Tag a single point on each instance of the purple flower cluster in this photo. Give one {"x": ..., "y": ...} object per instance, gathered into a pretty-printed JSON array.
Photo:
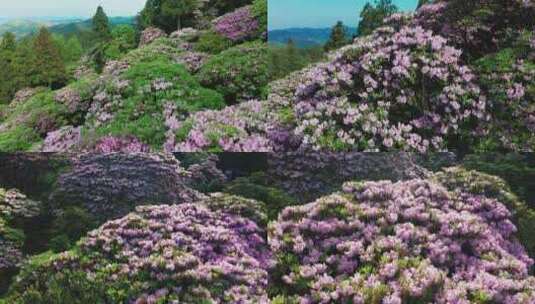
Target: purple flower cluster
[
  {"x": 175, "y": 254},
  {"x": 514, "y": 104},
  {"x": 411, "y": 241},
  {"x": 238, "y": 128},
  {"x": 126, "y": 144},
  {"x": 404, "y": 90},
  {"x": 111, "y": 185},
  {"x": 67, "y": 138},
  {"x": 478, "y": 28},
  {"x": 193, "y": 61},
  {"x": 238, "y": 25}
]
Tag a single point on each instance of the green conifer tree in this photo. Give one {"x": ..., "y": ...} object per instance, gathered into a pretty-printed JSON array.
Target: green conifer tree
[
  {"x": 338, "y": 37},
  {"x": 101, "y": 25},
  {"x": 48, "y": 64}
]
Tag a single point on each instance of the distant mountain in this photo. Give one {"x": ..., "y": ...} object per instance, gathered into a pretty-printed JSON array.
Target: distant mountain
[
  {"x": 76, "y": 27},
  {"x": 304, "y": 37},
  {"x": 64, "y": 26}
]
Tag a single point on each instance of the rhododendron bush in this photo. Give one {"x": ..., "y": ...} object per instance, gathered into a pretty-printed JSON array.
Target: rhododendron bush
[
  {"x": 111, "y": 185},
  {"x": 159, "y": 254},
  {"x": 411, "y": 241},
  {"x": 478, "y": 27}
]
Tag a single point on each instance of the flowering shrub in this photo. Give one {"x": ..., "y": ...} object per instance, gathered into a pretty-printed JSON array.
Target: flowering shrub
[
  {"x": 508, "y": 77},
  {"x": 111, "y": 185},
  {"x": 11, "y": 241},
  {"x": 158, "y": 254},
  {"x": 243, "y": 207},
  {"x": 127, "y": 144},
  {"x": 411, "y": 241},
  {"x": 239, "y": 73},
  {"x": 66, "y": 138},
  {"x": 238, "y": 25},
  {"x": 27, "y": 123},
  {"x": 478, "y": 27},
  {"x": 461, "y": 180},
  {"x": 404, "y": 90},
  {"x": 138, "y": 109},
  {"x": 234, "y": 129},
  {"x": 15, "y": 205}
]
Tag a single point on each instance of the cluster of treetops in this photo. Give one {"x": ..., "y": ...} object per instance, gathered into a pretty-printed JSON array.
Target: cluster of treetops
[{"x": 44, "y": 59}]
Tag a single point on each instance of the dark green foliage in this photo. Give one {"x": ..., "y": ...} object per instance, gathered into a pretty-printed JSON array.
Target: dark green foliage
[
  {"x": 213, "y": 43},
  {"x": 286, "y": 59},
  {"x": 518, "y": 170},
  {"x": 372, "y": 16},
  {"x": 260, "y": 11},
  {"x": 69, "y": 227},
  {"x": 337, "y": 38},
  {"x": 168, "y": 15},
  {"x": 123, "y": 40},
  {"x": 257, "y": 187},
  {"x": 239, "y": 73},
  {"x": 141, "y": 112},
  {"x": 101, "y": 24},
  {"x": 48, "y": 66}
]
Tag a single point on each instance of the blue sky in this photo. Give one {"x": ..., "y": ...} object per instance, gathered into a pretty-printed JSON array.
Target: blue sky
[
  {"x": 67, "y": 8},
  {"x": 320, "y": 13}
]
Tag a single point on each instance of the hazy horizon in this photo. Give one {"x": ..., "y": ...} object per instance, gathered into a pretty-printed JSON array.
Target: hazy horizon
[{"x": 66, "y": 9}]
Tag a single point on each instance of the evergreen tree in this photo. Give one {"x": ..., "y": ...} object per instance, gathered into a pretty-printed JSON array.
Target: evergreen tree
[
  {"x": 101, "y": 25},
  {"x": 338, "y": 37},
  {"x": 372, "y": 17},
  {"x": 73, "y": 50},
  {"x": 23, "y": 63},
  {"x": 48, "y": 64},
  {"x": 7, "y": 72},
  {"x": 169, "y": 15}
]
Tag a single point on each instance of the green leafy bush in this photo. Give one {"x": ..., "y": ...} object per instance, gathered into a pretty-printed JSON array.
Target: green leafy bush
[
  {"x": 239, "y": 73},
  {"x": 26, "y": 124},
  {"x": 260, "y": 11},
  {"x": 257, "y": 187},
  {"x": 152, "y": 84},
  {"x": 212, "y": 43}
]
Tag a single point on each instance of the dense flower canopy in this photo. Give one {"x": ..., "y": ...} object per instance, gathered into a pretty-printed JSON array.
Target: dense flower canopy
[
  {"x": 384, "y": 242},
  {"x": 238, "y": 25},
  {"x": 167, "y": 254},
  {"x": 111, "y": 185}
]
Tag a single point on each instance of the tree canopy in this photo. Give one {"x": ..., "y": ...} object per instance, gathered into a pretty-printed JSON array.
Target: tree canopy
[{"x": 372, "y": 16}]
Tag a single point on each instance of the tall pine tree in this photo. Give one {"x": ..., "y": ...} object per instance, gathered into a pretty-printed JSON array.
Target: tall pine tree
[
  {"x": 372, "y": 17},
  {"x": 101, "y": 25},
  {"x": 49, "y": 69},
  {"x": 338, "y": 37},
  {"x": 181, "y": 11},
  {"x": 7, "y": 72}
]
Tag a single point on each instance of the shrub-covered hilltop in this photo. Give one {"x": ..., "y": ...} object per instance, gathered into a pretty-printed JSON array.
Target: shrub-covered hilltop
[
  {"x": 453, "y": 75},
  {"x": 134, "y": 91},
  {"x": 149, "y": 228}
]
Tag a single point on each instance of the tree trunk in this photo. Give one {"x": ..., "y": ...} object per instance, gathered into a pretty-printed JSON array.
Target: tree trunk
[{"x": 179, "y": 23}]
